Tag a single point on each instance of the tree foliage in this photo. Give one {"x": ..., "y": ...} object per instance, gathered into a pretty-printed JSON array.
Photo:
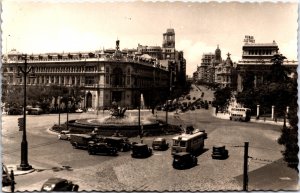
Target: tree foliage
[{"x": 222, "y": 97}]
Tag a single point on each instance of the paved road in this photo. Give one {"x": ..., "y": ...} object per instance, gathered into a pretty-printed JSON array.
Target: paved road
[{"x": 122, "y": 172}]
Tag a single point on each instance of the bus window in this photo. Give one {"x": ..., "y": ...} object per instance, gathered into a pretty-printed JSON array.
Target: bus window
[
  {"x": 175, "y": 142},
  {"x": 182, "y": 143}
]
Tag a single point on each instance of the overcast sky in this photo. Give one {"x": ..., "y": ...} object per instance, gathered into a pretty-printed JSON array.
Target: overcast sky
[{"x": 32, "y": 27}]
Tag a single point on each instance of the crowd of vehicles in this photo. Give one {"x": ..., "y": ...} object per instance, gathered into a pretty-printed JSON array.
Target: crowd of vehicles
[{"x": 185, "y": 146}]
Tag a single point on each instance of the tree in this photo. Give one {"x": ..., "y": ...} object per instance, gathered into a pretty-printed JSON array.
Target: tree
[
  {"x": 222, "y": 97},
  {"x": 279, "y": 73}
]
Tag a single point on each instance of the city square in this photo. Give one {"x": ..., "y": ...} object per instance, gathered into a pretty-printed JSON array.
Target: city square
[
  {"x": 122, "y": 172},
  {"x": 114, "y": 104}
]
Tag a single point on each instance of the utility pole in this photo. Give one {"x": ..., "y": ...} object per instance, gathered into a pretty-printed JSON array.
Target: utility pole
[{"x": 245, "y": 176}]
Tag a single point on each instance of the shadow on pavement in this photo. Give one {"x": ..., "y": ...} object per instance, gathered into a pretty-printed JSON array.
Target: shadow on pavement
[{"x": 272, "y": 177}]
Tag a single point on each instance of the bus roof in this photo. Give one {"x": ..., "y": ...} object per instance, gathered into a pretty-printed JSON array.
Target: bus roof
[
  {"x": 234, "y": 109},
  {"x": 186, "y": 137}
]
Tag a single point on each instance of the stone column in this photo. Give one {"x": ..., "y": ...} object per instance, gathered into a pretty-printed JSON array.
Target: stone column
[
  {"x": 272, "y": 116},
  {"x": 257, "y": 112}
]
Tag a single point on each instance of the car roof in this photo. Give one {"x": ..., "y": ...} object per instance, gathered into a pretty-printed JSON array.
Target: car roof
[
  {"x": 54, "y": 180},
  {"x": 114, "y": 138},
  {"x": 219, "y": 146},
  {"x": 140, "y": 144},
  {"x": 159, "y": 139},
  {"x": 181, "y": 153}
]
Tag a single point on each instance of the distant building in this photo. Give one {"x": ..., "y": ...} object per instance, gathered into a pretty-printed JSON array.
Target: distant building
[
  {"x": 206, "y": 70},
  {"x": 256, "y": 58},
  {"x": 225, "y": 74}
]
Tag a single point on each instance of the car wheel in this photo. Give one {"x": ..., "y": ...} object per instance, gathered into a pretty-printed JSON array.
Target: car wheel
[
  {"x": 91, "y": 152},
  {"x": 75, "y": 146},
  {"x": 75, "y": 188}
]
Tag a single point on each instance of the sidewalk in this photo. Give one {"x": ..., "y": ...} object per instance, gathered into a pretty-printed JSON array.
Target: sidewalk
[{"x": 261, "y": 120}]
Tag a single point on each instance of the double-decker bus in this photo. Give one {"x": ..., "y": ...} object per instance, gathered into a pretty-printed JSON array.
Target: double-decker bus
[
  {"x": 240, "y": 114},
  {"x": 191, "y": 141}
]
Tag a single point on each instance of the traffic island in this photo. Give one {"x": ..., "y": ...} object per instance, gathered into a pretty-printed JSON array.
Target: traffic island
[{"x": 18, "y": 172}]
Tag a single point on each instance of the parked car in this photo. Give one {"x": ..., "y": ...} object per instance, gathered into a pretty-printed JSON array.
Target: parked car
[
  {"x": 78, "y": 111},
  {"x": 34, "y": 111},
  {"x": 184, "y": 160},
  {"x": 219, "y": 152},
  {"x": 121, "y": 143},
  {"x": 101, "y": 148},
  {"x": 160, "y": 144},
  {"x": 80, "y": 140},
  {"x": 59, "y": 185},
  {"x": 64, "y": 135},
  {"x": 141, "y": 150},
  {"x": 15, "y": 111}
]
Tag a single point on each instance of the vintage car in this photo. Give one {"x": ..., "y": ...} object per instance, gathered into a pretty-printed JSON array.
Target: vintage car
[
  {"x": 184, "y": 160},
  {"x": 80, "y": 140},
  {"x": 64, "y": 135},
  {"x": 101, "y": 148},
  {"x": 219, "y": 152},
  {"x": 121, "y": 143},
  {"x": 140, "y": 150},
  {"x": 160, "y": 143},
  {"x": 59, "y": 185}
]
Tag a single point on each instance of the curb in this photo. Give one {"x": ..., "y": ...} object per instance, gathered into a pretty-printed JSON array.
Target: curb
[{"x": 18, "y": 172}]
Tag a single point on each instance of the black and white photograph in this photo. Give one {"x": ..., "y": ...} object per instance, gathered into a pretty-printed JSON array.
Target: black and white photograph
[{"x": 132, "y": 96}]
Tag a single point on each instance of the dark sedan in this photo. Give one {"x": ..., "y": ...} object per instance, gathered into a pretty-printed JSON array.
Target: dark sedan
[{"x": 59, "y": 185}]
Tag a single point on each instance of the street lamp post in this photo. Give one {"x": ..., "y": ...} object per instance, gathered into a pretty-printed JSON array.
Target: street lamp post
[
  {"x": 59, "y": 106},
  {"x": 24, "y": 145},
  {"x": 68, "y": 114}
]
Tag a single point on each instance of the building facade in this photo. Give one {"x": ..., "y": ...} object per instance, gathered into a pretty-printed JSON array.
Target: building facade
[
  {"x": 206, "y": 71},
  {"x": 108, "y": 75},
  {"x": 104, "y": 76},
  {"x": 256, "y": 58},
  {"x": 225, "y": 74}
]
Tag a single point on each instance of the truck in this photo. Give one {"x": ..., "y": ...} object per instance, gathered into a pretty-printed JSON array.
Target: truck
[{"x": 80, "y": 140}]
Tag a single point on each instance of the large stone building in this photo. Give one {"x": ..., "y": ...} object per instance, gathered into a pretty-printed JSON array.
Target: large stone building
[
  {"x": 107, "y": 75},
  {"x": 256, "y": 58}
]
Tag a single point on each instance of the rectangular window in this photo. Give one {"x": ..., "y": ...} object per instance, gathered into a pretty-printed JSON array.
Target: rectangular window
[{"x": 90, "y": 80}]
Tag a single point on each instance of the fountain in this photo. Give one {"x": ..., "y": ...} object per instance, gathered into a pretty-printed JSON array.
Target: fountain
[{"x": 117, "y": 120}]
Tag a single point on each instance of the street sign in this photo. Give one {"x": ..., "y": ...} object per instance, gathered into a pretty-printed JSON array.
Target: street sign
[{"x": 21, "y": 123}]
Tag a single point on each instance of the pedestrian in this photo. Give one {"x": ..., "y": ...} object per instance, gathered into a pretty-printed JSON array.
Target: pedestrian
[{"x": 12, "y": 176}]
